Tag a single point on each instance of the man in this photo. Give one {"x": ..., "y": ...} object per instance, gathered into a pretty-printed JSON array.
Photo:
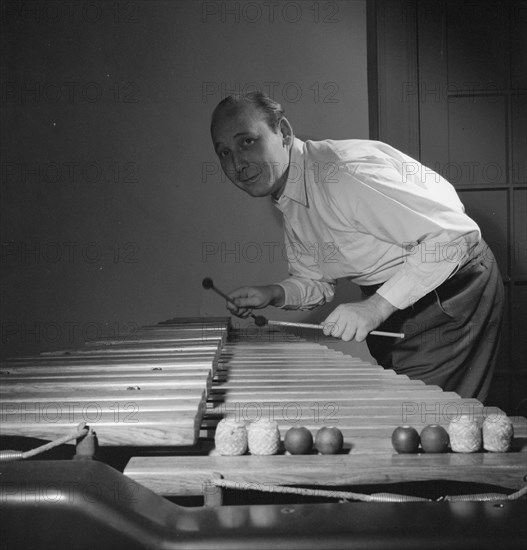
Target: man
[{"x": 381, "y": 219}]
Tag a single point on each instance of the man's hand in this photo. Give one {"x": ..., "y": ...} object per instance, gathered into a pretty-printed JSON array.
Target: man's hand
[
  {"x": 248, "y": 298},
  {"x": 357, "y": 320}
]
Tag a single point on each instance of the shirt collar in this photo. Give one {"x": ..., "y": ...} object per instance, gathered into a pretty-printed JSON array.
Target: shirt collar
[{"x": 295, "y": 186}]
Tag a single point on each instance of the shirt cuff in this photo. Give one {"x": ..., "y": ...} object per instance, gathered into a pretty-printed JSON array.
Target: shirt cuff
[
  {"x": 300, "y": 294},
  {"x": 407, "y": 286},
  {"x": 292, "y": 294},
  {"x": 401, "y": 293}
]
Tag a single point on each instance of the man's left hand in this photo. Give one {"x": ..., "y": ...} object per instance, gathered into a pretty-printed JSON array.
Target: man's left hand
[{"x": 357, "y": 320}]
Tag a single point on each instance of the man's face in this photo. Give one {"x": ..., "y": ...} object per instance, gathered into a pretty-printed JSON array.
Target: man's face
[{"x": 252, "y": 155}]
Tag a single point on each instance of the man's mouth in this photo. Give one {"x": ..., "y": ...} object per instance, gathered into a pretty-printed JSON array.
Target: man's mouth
[{"x": 248, "y": 181}]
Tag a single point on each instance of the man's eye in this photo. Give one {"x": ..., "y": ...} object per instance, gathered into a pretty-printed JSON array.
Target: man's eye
[
  {"x": 248, "y": 141},
  {"x": 224, "y": 154}
]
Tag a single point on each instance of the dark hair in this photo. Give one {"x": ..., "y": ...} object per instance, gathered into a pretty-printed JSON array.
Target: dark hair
[{"x": 271, "y": 109}]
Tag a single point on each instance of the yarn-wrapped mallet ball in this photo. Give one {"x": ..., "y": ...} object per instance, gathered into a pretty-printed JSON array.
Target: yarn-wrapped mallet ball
[
  {"x": 231, "y": 437},
  {"x": 498, "y": 434},
  {"x": 263, "y": 437},
  {"x": 465, "y": 435}
]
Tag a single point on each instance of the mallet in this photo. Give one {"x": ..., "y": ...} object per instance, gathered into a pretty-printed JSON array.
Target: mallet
[
  {"x": 261, "y": 321},
  {"x": 320, "y": 327},
  {"x": 208, "y": 283}
]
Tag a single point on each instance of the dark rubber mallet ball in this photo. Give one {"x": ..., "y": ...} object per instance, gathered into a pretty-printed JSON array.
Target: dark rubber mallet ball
[
  {"x": 207, "y": 283},
  {"x": 260, "y": 320}
]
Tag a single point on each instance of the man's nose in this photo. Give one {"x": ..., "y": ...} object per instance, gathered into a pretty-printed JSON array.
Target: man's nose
[{"x": 240, "y": 162}]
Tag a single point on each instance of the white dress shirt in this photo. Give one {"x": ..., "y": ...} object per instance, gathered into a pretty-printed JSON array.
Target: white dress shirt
[{"x": 363, "y": 210}]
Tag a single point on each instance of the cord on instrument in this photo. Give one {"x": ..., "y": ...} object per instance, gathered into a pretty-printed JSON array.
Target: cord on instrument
[{"x": 11, "y": 456}]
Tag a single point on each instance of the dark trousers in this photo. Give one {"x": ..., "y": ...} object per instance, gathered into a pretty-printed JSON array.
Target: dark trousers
[{"x": 451, "y": 334}]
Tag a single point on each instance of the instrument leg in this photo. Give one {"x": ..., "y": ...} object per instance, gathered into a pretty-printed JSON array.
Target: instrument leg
[{"x": 212, "y": 494}]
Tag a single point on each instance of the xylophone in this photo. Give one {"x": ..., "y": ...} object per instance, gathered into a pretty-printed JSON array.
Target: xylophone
[{"x": 163, "y": 389}]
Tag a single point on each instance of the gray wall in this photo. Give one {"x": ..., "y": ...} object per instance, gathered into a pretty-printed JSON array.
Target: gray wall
[{"x": 113, "y": 207}]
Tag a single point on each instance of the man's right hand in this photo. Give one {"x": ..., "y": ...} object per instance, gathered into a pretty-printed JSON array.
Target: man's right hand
[{"x": 248, "y": 298}]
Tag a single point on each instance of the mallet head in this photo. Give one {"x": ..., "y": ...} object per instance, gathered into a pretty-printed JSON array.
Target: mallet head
[
  {"x": 207, "y": 283},
  {"x": 260, "y": 321}
]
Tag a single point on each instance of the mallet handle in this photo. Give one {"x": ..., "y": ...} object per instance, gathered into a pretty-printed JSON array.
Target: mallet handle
[
  {"x": 228, "y": 298},
  {"x": 320, "y": 327},
  {"x": 208, "y": 284}
]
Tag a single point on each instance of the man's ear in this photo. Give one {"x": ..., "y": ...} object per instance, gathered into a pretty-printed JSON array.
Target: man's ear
[{"x": 287, "y": 131}]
